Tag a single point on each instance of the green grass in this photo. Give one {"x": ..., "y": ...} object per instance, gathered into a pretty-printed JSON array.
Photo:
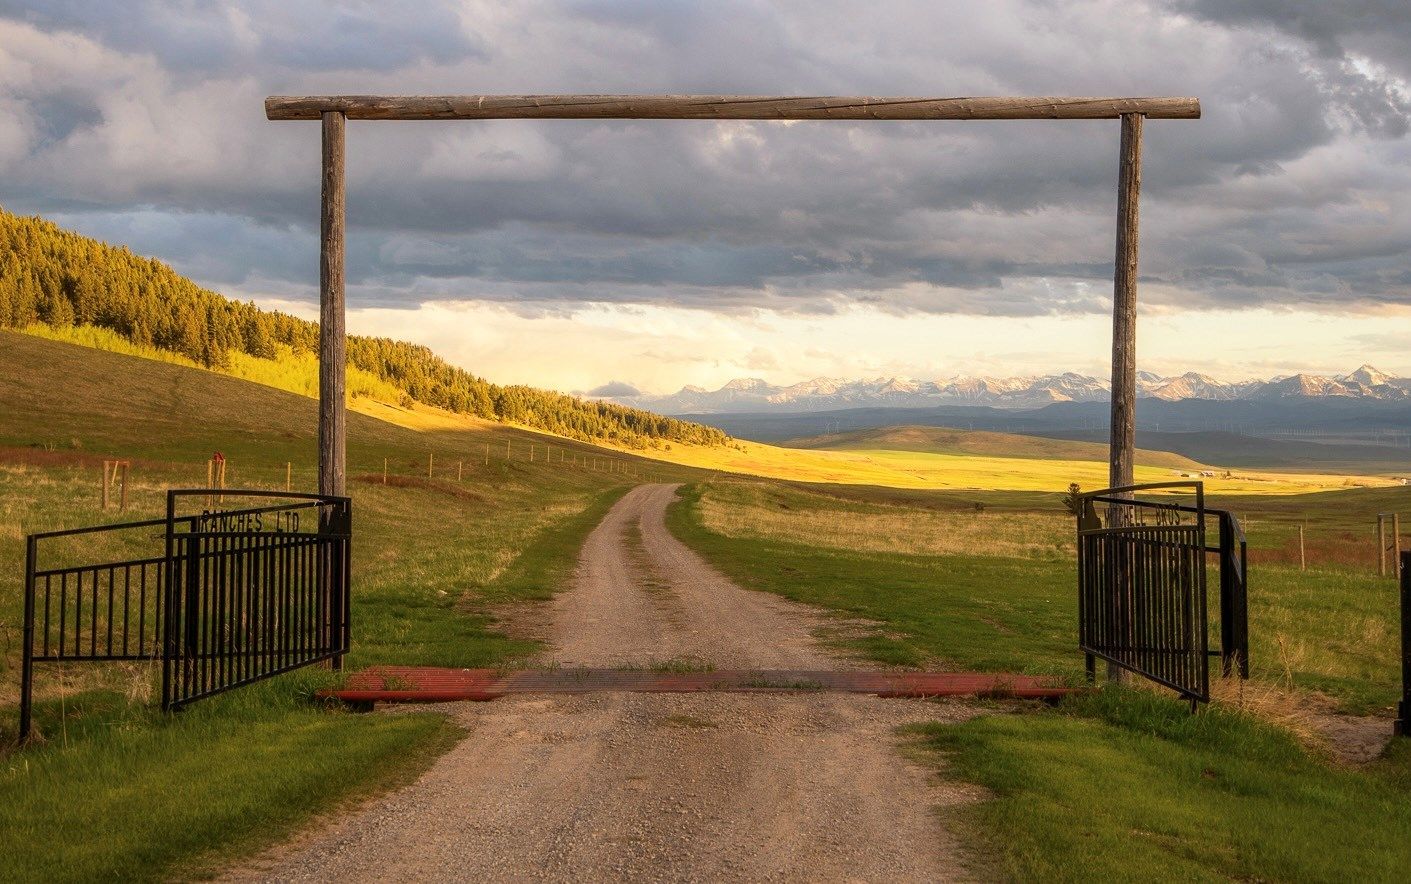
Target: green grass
[
  {"x": 119, "y": 790},
  {"x": 139, "y": 796},
  {"x": 1332, "y": 631},
  {"x": 1121, "y": 785},
  {"x": 1126, "y": 786},
  {"x": 988, "y": 613}
]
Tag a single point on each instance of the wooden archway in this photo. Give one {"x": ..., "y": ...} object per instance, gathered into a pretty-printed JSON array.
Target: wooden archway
[{"x": 335, "y": 110}]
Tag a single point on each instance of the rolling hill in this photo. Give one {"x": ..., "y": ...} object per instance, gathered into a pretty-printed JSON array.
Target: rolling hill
[
  {"x": 943, "y": 440},
  {"x": 58, "y": 282}
]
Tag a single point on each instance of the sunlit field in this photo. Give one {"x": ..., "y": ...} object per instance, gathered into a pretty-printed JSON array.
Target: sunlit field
[{"x": 959, "y": 472}]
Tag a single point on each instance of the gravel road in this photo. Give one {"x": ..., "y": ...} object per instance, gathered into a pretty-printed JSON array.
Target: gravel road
[{"x": 652, "y": 787}]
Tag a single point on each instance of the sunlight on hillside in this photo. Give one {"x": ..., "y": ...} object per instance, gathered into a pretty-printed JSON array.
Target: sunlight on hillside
[{"x": 912, "y": 469}]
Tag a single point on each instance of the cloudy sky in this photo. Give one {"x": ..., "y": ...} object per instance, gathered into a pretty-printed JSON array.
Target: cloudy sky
[{"x": 1275, "y": 231}]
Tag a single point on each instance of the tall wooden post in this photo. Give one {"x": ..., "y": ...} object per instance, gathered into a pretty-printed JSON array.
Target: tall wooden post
[
  {"x": 1124, "y": 307},
  {"x": 1123, "y": 439},
  {"x": 332, "y": 347}
]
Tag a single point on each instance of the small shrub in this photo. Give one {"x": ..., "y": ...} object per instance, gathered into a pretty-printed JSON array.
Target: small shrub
[{"x": 1073, "y": 499}]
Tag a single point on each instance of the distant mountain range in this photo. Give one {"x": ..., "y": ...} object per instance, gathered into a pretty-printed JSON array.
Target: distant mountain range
[{"x": 825, "y": 394}]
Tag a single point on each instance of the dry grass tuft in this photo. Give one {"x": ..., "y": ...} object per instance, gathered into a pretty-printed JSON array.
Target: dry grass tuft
[{"x": 1271, "y": 702}]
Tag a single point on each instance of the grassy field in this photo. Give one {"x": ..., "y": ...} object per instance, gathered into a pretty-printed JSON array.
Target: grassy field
[
  {"x": 433, "y": 559},
  {"x": 995, "y": 588},
  {"x": 951, "y": 470},
  {"x": 952, "y": 576},
  {"x": 1127, "y": 786},
  {"x": 1117, "y": 786}
]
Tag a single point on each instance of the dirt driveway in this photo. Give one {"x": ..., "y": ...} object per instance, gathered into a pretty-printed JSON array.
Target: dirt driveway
[{"x": 651, "y": 787}]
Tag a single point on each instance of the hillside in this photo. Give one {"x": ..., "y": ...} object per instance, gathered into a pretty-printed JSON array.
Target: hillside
[
  {"x": 942, "y": 440},
  {"x": 61, "y": 280}
]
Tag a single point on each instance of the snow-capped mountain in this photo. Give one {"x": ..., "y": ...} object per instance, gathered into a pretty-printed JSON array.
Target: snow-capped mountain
[{"x": 822, "y": 394}]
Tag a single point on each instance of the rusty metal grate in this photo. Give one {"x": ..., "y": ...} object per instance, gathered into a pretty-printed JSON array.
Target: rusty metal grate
[{"x": 415, "y": 684}]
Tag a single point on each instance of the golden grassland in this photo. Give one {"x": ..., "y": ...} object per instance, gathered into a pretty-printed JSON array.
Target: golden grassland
[{"x": 967, "y": 472}]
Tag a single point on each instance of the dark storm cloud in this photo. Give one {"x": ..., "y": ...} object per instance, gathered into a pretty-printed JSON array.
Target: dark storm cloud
[
  {"x": 1341, "y": 33},
  {"x": 142, "y": 124}
]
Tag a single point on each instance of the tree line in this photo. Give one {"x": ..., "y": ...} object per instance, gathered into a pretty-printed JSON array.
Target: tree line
[{"x": 58, "y": 278}]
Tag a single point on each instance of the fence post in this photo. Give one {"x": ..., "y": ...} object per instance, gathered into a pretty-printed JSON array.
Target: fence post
[
  {"x": 27, "y": 645},
  {"x": 104, "y": 497},
  {"x": 1396, "y": 543},
  {"x": 288, "y": 475},
  {"x": 122, "y": 489},
  {"x": 1381, "y": 545},
  {"x": 430, "y": 462},
  {"x": 169, "y": 595},
  {"x": 1403, "y": 711},
  {"x": 1302, "y": 558},
  {"x": 384, "y": 471},
  {"x": 460, "y": 469}
]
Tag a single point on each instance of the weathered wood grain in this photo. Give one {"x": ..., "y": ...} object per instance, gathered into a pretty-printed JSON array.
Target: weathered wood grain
[
  {"x": 332, "y": 345},
  {"x": 720, "y": 107},
  {"x": 1124, "y": 305}
]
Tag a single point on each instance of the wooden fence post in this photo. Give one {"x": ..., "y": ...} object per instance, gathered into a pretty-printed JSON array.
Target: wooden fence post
[
  {"x": 1381, "y": 545},
  {"x": 487, "y": 454},
  {"x": 1396, "y": 544},
  {"x": 1302, "y": 559},
  {"x": 122, "y": 488},
  {"x": 384, "y": 471},
  {"x": 288, "y": 476},
  {"x": 460, "y": 469},
  {"x": 430, "y": 463}
]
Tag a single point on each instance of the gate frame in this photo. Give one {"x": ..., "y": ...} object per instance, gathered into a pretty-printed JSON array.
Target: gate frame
[
  {"x": 163, "y": 592},
  {"x": 1232, "y": 551},
  {"x": 336, "y": 523},
  {"x": 333, "y": 112}
]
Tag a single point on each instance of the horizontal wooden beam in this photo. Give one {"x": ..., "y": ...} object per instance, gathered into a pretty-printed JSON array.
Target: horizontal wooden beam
[{"x": 719, "y": 107}]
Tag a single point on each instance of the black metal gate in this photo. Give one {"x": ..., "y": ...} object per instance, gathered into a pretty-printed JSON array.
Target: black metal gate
[
  {"x": 1142, "y": 586},
  {"x": 219, "y": 597}
]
